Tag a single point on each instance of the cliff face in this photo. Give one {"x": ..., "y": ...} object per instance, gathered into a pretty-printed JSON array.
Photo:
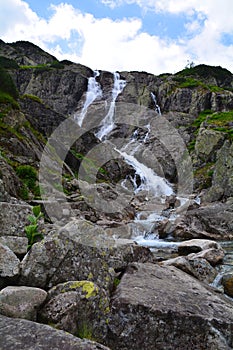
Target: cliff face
[{"x": 196, "y": 101}]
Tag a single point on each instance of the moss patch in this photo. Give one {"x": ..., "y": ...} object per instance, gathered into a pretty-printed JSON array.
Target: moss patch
[
  {"x": 204, "y": 175},
  {"x": 85, "y": 331},
  {"x": 88, "y": 287}
]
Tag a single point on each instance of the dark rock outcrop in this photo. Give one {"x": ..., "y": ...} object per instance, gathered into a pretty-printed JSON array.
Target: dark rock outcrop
[{"x": 59, "y": 89}]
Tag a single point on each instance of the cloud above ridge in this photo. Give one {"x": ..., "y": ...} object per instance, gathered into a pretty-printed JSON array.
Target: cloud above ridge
[{"x": 123, "y": 43}]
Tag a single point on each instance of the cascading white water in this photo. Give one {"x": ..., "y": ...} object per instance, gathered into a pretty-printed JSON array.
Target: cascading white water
[
  {"x": 108, "y": 122},
  {"x": 94, "y": 91},
  {"x": 157, "y": 108},
  {"x": 155, "y": 186},
  {"x": 149, "y": 180}
]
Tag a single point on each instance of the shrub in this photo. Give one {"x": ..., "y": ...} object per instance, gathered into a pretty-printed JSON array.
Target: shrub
[
  {"x": 33, "y": 235},
  {"x": 8, "y": 63},
  {"x": 57, "y": 65},
  {"x": 7, "y": 85},
  {"x": 31, "y": 97},
  {"x": 28, "y": 175},
  {"x": 5, "y": 98}
]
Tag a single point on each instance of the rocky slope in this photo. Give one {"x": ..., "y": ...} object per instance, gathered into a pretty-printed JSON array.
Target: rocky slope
[{"x": 87, "y": 276}]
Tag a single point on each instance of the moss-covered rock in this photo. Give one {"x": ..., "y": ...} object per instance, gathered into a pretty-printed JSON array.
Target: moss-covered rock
[
  {"x": 222, "y": 183},
  {"x": 207, "y": 143},
  {"x": 79, "y": 307}
]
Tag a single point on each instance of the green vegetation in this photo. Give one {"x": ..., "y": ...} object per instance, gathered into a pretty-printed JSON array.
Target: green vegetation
[
  {"x": 214, "y": 88},
  {"x": 7, "y": 99},
  {"x": 28, "y": 175},
  {"x": 8, "y": 91},
  {"x": 201, "y": 118},
  {"x": 44, "y": 67},
  {"x": 205, "y": 71},
  {"x": 33, "y": 235},
  {"x": 116, "y": 282},
  {"x": 190, "y": 83},
  {"x": 204, "y": 175},
  {"x": 34, "y": 67},
  {"x": 8, "y": 63},
  {"x": 7, "y": 129},
  {"x": 31, "y": 97},
  {"x": 191, "y": 145},
  {"x": 194, "y": 76},
  {"x": 222, "y": 121},
  {"x": 88, "y": 163},
  {"x": 84, "y": 331},
  {"x": 24, "y": 193},
  {"x": 57, "y": 65},
  {"x": 219, "y": 121}
]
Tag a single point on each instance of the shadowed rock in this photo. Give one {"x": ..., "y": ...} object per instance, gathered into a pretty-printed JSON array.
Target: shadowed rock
[{"x": 28, "y": 335}]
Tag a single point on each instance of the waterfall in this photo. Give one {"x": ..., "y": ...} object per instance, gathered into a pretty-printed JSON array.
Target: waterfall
[
  {"x": 108, "y": 122},
  {"x": 154, "y": 187},
  {"x": 93, "y": 92},
  {"x": 157, "y": 108},
  {"x": 149, "y": 180}
]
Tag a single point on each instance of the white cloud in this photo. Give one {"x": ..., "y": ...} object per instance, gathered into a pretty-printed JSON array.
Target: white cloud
[
  {"x": 121, "y": 44},
  {"x": 206, "y": 22}
]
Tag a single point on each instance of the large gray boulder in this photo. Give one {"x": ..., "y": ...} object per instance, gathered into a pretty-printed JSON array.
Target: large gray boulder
[
  {"x": 158, "y": 307},
  {"x": 13, "y": 219},
  {"x": 9, "y": 265},
  {"x": 222, "y": 183},
  {"x": 196, "y": 246},
  {"x": 78, "y": 307},
  {"x": 207, "y": 143},
  {"x": 210, "y": 221},
  {"x": 21, "y": 302},
  {"x": 27, "y": 335},
  {"x": 197, "y": 267},
  {"x": 79, "y": 251}
]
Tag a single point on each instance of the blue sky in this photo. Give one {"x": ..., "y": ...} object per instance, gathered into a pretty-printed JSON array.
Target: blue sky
[{"x": 156, "y": 36}]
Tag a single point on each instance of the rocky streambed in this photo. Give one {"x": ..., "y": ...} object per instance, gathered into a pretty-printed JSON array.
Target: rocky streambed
[{"x": 94, "y": 282}]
